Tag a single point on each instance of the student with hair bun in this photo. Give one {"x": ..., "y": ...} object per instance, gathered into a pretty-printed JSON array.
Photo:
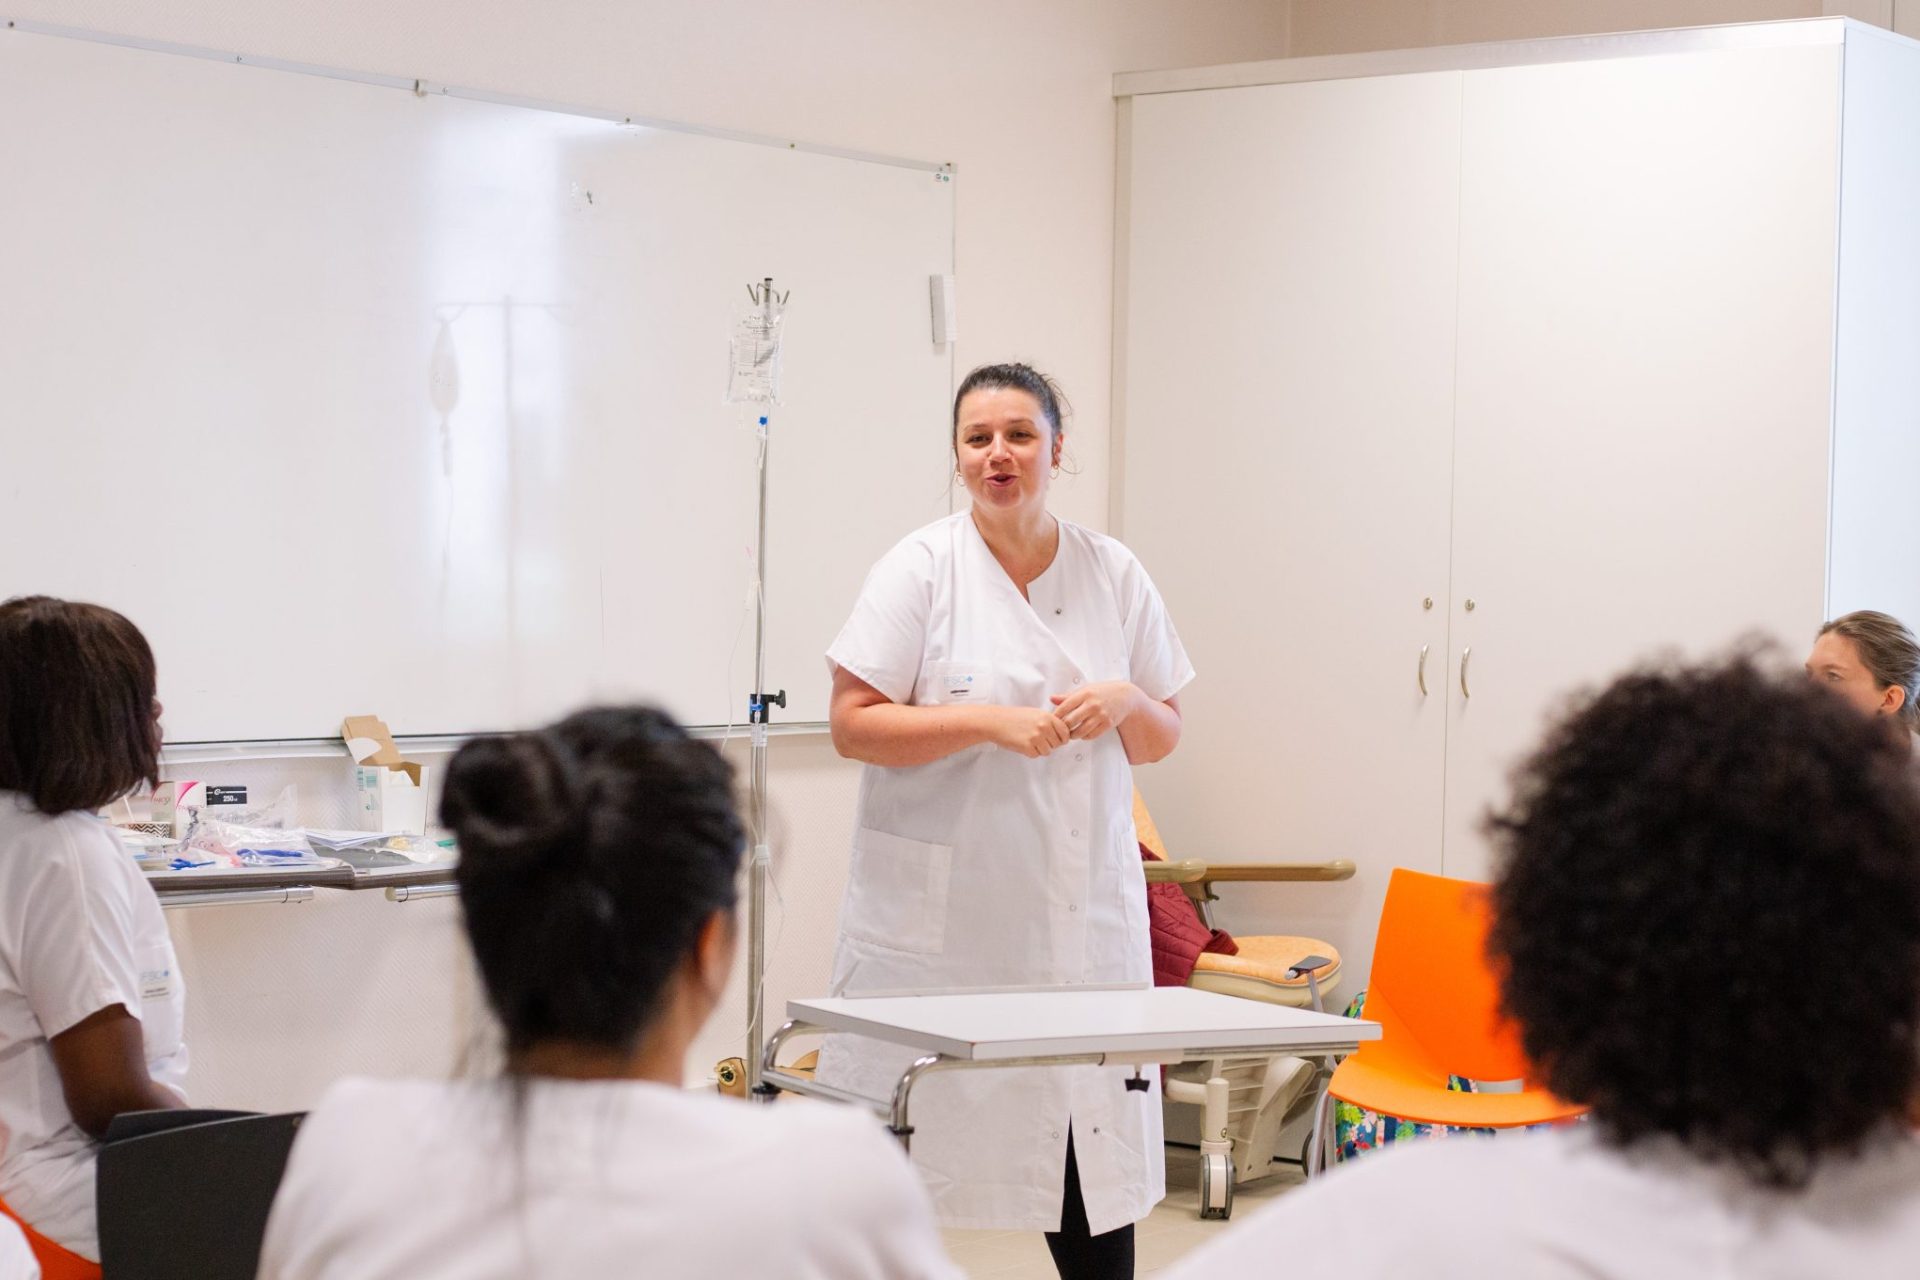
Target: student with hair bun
[{"x": 597, "y": 875}]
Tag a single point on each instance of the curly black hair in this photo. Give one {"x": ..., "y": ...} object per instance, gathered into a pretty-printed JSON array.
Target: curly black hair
[{"x": 1707, "y": 916}]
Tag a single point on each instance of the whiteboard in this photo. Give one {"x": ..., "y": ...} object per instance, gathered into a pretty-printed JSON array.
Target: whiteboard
[{"x": 362, "y": 400}]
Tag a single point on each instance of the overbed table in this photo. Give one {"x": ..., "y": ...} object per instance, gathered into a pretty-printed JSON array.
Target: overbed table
[{"x": 1055, "y": 1028}]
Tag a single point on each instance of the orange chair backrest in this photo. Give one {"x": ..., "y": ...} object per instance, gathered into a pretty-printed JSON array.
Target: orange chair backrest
[
  {"x": 1430, "y": 964},
  {"x": 56, "y": 1263},
  {"x": 1143, "y": 824}
]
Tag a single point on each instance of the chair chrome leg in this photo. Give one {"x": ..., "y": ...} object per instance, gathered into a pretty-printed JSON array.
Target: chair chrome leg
[{"x": 1322, "y": 1118}]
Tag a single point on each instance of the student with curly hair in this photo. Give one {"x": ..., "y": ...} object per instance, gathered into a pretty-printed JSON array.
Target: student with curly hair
[
  {"x": 1707, "y": 919},
  {"x": 599, "y": 861}
]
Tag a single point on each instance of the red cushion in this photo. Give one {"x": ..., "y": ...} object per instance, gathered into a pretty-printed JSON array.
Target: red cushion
[{"x": 1179, "y": 935}]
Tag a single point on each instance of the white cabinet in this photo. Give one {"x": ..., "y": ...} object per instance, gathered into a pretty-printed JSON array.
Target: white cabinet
[{"x": 1553, "y": 338}]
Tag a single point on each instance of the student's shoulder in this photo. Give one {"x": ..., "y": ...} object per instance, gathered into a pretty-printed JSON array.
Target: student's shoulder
[
  {"x": 862, "y": 1148},
  {"x": 67, "y": 852},
  {"x": 1407, "y": 1179},
  {"x": 1366, "y": 1218},
  {"x": 28, "y": 831},
  {"x": 357, "y": 1108},
  {"x": 849, "y": 1180},
  {"x": 351, "y": 1095}
]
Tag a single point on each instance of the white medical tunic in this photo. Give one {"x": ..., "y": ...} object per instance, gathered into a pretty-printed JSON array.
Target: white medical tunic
[
  {"x": 16, "y": 1256},
  {"x": 80, "y": 931},
  {"x": 1562, "y": 1205},
  {"x": 435, "y": 1180},
  {"x": 987, "y": 869}
]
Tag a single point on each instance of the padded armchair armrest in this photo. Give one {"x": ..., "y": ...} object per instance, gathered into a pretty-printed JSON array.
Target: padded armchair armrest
[
  {"x": 1224, "y": 872},
  {"x": 1195, "y": 872},
  {"x": 1186, "y": 871}
]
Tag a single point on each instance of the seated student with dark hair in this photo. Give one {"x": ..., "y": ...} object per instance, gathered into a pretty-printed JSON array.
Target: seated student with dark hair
[
  {"x": 598, "y": 867},
  {"x": 91, "y": 1004},
  {"x": 1707, "y": 918}
]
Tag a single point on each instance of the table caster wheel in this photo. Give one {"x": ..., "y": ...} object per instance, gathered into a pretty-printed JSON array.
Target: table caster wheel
[{"x": 1216, "y": 1186}]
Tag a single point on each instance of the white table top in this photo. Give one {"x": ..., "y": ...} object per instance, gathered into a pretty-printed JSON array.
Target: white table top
[{"x": 1153, "y": 1021}]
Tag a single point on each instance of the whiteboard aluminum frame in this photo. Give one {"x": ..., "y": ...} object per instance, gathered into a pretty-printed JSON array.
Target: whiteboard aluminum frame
[
  {"x": 172, "y": 753},
  {"x": 1787, "y": 33},
  {"x": 423, "y": 88}
]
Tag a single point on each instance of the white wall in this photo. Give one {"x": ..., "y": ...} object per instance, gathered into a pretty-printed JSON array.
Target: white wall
[
  {"x": 1354, "y": 26},
  {"x": 1016, "y": 93}
]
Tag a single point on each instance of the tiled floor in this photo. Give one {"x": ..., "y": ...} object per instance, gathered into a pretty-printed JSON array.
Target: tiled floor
[{"x": 1172, "y": 1230}]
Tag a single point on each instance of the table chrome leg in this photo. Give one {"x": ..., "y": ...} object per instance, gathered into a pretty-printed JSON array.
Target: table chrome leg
[
  {"x": 900, "y": 1125},
  {"x": 764, "y": 1091}
]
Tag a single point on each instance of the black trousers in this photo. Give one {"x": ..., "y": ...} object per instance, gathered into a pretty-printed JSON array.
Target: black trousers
[{"x": 1078, "y": 1254}]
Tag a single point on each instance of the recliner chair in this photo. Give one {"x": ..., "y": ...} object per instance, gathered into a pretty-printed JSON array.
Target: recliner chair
[{"x": 1246, "y": 1100}]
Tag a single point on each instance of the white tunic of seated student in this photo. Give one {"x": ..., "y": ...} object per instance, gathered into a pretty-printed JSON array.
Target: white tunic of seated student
[
  {"x": 16, "y": 1255},
  {"x": 598, "y": 869},
  {"x": 1708, "y": 921},
  {"x": 91, "y": 1003}
]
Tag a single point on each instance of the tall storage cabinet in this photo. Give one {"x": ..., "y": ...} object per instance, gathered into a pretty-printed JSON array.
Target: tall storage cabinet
[{"x": 1447, "y": 391}]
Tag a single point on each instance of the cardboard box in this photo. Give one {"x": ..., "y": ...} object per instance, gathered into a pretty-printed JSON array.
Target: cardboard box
[{"x": 392, "y": 789}]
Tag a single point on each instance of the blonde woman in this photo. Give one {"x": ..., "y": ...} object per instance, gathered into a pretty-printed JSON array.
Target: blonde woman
[{"x": 1872, "y": 661}]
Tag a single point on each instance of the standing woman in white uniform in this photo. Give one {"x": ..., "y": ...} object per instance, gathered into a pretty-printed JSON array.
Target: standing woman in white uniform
[
  {"x": 91, "y": 1004},
  {"x": 1001, "y": 672}
]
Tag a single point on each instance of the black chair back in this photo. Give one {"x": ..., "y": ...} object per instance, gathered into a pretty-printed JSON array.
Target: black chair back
[
  {"x": 137, "y": 1124},
  {"x": 190, "y": 1202}
]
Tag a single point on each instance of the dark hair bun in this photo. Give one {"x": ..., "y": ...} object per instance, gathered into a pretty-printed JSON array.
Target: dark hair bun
[
  {"x": 515, "y": 801},
  {"x": 592, "y": 853}
]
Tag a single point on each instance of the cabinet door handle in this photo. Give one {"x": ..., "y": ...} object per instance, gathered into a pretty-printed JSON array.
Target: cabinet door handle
[
  {"x": 1464, "y": 655},
  {"x": 1422, "y": 673}
]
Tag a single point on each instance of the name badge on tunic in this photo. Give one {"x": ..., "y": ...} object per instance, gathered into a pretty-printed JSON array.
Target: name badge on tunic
[
  {"x": 951, "y": 682},
  {"x": 156, "y": 984}
]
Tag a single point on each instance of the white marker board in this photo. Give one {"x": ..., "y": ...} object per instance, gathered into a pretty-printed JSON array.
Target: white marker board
[{"x": 359, "y": 400}]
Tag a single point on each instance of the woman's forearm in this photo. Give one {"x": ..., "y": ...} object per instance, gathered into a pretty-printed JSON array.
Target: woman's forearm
[
  {"x": 896, "y": 736},
  {"x": 1151, "y": 732}
]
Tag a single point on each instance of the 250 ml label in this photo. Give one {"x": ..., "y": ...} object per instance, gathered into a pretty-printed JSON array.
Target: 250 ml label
[{"x": 226, "y": 795}]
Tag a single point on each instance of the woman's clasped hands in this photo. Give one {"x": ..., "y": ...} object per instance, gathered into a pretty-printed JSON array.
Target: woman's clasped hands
[{"x": 1083, "y": 715}]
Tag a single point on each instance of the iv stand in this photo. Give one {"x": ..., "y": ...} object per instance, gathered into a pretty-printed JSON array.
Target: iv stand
[{"x": 758, "y": 715}]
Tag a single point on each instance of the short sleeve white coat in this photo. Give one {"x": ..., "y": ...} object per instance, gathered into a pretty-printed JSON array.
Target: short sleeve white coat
[
  {"x": 80, "y": 931},
  {"x": 986, "y": 869},
  {"x": 451, "y": 1180}
]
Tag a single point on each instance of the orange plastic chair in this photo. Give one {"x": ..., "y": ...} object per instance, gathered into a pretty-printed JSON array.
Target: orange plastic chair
[
  {"x": 1438, "y": 1005},
  {"x": 56, "y": 1262}
]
